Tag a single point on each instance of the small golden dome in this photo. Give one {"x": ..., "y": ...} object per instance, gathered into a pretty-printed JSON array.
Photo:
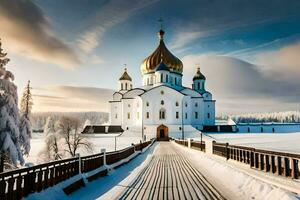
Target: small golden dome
[{"x": 161, "y": 54}]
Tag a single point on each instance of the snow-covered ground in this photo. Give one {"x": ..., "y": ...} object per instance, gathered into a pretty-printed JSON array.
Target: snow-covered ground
[
  {"x": 99, "y": 142},
  {"x": 286, "y": 142}
]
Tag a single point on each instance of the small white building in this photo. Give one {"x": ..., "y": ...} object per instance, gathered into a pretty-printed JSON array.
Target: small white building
[{"x": 162, "y": 107}]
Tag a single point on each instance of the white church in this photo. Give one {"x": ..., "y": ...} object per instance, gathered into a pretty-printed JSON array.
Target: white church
[{"x": 162, "y": 107}]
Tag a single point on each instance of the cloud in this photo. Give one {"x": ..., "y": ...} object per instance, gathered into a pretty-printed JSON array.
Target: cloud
[
  {"x": 25, "y": 30},
  {"x": 282, "y": 64},
  {"x": 71, "y": 99},
  {"x": 240, "y": 86},
  {"x": 203, "y": 19},
  {"x": 110, "y": 14}
]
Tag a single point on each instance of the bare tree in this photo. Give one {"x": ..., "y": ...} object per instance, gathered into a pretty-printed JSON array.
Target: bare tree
[{"x": 69, "y": 128}]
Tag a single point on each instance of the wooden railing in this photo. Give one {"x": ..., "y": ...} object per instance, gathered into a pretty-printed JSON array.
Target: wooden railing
[
  {"x": 283, "y": 164},
  {"x": 194, "y": 144},
  {"x": 21, "y": 182}
]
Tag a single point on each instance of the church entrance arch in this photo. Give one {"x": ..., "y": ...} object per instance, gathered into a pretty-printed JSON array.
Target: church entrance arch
[{"x": 162, "y": 133}]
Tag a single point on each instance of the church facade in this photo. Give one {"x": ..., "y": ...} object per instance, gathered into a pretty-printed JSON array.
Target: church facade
[{"x": 162, "y": 107}]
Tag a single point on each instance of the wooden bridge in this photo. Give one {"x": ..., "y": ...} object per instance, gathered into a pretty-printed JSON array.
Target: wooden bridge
[{"x": 170, "y": 176}]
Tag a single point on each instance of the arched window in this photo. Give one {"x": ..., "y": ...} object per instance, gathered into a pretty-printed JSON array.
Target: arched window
[
  {"x": 248, "y": 129},
  {"x": 177, "y": 115},
  {"x": 198, "y": 85},
  {"x": 273, "y": 130},
  {"x": 196, "y": 115},
  {"x": 128, "y": 105},
  {"x": 262, "y": 129},
  {"x": 161, "y": 78},
  {"x": 125, "y": 86},
  {"x": 196, "y": 104},
  {"x": 162, "y": 113},
  {"x": 116, "y": 116},
  {"x": 175, "y": 81},
  {"x": 128, "y": 115},
  {"x": 186, "y": 115},
  {"x": 162, "y": 102},
  {"x": 147, "y": 115},
  {"x": 130, "y": 86},
  {"x": 122, "y": 86},
  {"x": 186, "y": 104},
  {"x": 177, "y": 104},
  {"x": 208, "y": 115},
  {"x": 147, "y": 104},
  {"x": 167, "y": 78}
]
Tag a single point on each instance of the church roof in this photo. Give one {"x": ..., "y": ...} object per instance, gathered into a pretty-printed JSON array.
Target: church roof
[
  {"x": 161, "y": 53},
  {"x": 199, "y": 75},
  {"x": 162, "y": 66},
  {"x": 125, "y": 76}
]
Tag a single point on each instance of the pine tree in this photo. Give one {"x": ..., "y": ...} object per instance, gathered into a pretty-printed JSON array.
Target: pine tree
[
  {"x": 25, "y": 125},
  {"x": 10, "y": 143}
]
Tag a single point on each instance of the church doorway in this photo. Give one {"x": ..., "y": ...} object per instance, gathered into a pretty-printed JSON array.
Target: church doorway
[{"x": 162, "y": 133}]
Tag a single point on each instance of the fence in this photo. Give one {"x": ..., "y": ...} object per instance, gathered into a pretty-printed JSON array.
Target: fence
[
  {"x": 194, "y": 144},
  {"x": 21, "y": 182},
  {"x": 283, "y": 164}
]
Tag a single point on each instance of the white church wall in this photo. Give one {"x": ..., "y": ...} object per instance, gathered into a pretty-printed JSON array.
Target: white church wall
[
  {"x": 115, "y": 113},
  {"x": 169, "y": 97},
  {"x": 117, "y": 96},
  {"x": 209, "y": 112}
]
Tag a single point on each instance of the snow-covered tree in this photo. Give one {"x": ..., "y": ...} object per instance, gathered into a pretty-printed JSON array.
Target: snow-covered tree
[
  {"x": 53, "y": 140},
  {"x": 9, "y": 116},
  {"x": 25, "y": 125}
]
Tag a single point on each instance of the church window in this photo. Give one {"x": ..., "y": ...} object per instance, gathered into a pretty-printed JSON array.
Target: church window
[
  {"x": 262, "y": 129},
  {"x": 162, "y": 92},
  {"x": 128, "y": 105},
  {"x": 138, "y": 115},
  {"x": 147, "y": 104},
  {"x": 196, "y": 115},
  {"x": 162, "y": 114},
  {"x": 122, "y": 86},
  {"x": 196, "y": 104},
  {"x": 162, "y": 102},
  {"x": 130, "y": 86},
  {"x": 248, "y": 129},
  {"x": 116, "y": 116},
  {"x": 177, "y": 115},
  {"x": 147, "y": 115},
  {"x": 186, "y": 115},
  {"x": 208, "y": 115},
  {"x": 175, "y": 81},
  {"x": 273, "y": 130},
  {"x": 177, "y": 104},
  {"x": 161, "y": 78},
  {"x": 128, "y": 115},
  {"x": 125, "y": 86},
  {"x": 186, "y": 104},
  {"x": 198, "y": 85},
  {"x": 180, "y": 128},
  {"x": 167, "y": 78}
]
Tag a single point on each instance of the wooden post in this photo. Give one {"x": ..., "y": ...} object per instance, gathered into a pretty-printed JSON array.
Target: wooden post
[
  {"x": 267, "y": 163},
  {"x": 286, "y": 166},
  {"x": 104, "y": 156},
  {"x": 252, "y": 159},
  {"x": 295, "y": 168},
  {"x": 262, "y": 165},
  {"x": 279, "y": 165},
  {"x": 227, "y": 151},
  {"x": 79, "y": 162},
  {"x": 273, "y": 166},
  {"x": 256, "y": 160}
]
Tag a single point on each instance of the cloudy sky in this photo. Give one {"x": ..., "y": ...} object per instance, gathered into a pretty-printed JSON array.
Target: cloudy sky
[{"x": 73, "y": 51}]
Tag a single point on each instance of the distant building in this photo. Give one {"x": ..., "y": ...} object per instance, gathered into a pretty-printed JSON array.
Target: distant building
[{"x": 162, "y": 105}]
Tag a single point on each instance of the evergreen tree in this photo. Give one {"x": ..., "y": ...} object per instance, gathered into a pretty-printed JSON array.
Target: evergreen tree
[
  {"x": 10, "y": 143},
  {"x": 25, "y": 125}
]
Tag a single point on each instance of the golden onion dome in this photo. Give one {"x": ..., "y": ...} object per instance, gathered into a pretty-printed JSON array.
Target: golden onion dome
[{"x": 161, "y": 54}]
